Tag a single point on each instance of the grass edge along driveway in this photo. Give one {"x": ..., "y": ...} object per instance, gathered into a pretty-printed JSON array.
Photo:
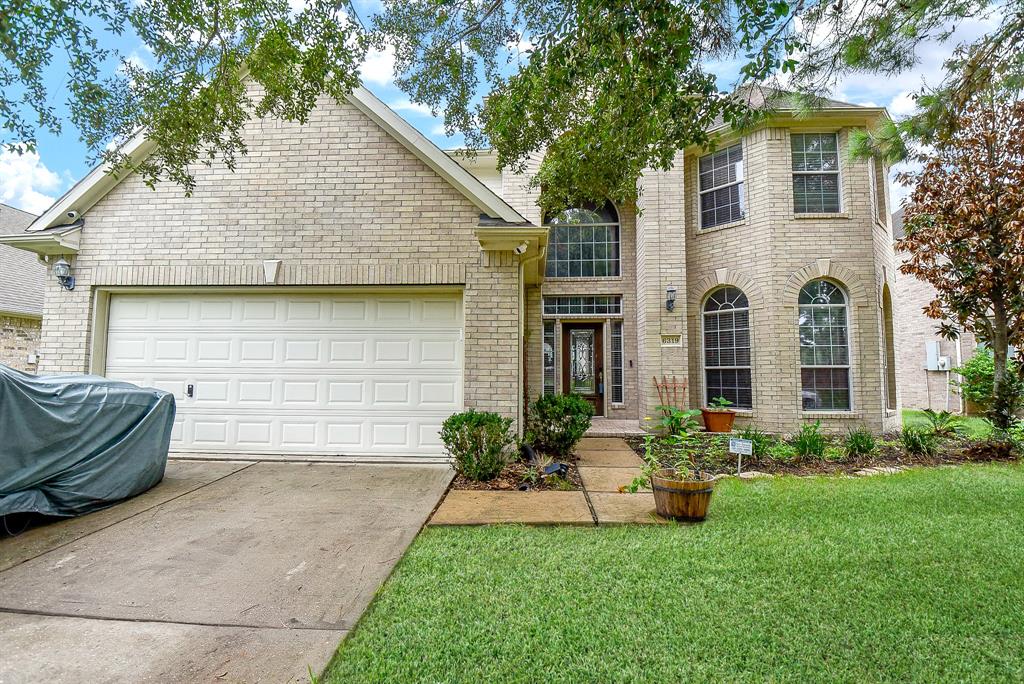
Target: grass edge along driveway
[{"x": 914, "y": 577}]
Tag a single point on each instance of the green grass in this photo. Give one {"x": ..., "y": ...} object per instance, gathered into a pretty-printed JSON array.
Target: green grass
[
  {"x": 916, "y": 576},
  {"x": 972, "y": 426}
]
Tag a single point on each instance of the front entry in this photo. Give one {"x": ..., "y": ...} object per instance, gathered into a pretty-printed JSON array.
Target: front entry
[{"x": 583, "y": 362}]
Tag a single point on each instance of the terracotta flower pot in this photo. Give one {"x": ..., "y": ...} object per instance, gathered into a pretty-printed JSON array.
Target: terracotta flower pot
[
  {"x": 719, "y": 420},
  {"x": 682, "y": 499}
]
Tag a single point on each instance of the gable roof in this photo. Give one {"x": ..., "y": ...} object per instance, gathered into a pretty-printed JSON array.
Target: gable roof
[
  {"x": 98, "y": 182},
  {"x": 22, "y": 277}
]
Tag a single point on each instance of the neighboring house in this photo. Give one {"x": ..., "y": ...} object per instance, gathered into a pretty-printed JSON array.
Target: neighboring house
[
  {"x": 21, "y": 296},
  {"x": 350, "y": 285},
  {"x": 925, "y": 361}
]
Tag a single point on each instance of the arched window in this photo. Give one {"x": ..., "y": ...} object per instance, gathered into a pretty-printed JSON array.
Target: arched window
[
  {"x": 584, "y": 243},
  {"x": 824, "y": 347},
  {"x": 727, "y": 348}
]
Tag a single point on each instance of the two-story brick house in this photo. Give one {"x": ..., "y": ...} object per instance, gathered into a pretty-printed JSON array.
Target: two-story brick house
[{"x": 350, "y": 285}]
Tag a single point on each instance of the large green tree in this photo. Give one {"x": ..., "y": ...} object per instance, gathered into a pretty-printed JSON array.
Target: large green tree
[{"x": 605, "y": 88}]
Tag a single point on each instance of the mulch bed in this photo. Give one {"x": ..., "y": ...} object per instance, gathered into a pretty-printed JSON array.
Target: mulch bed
[
  {"x": 515, "y": 474},
  {"x": 951, "y": 451}
]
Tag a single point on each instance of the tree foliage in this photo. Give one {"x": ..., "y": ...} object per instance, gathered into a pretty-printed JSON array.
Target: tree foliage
[
  {"x": 600, "y": 89},
  {"x": 965, "y": 233}
]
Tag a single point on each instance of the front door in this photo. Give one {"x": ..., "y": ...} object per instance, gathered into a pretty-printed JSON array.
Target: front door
[{"x": 583, "y": 362}]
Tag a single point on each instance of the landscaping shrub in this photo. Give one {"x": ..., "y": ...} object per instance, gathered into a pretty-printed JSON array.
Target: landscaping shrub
[
  {"x": 977, "y": 381},
  {"x": 943, "y": 423},
  {"x": 762, "y": 440},
  {"x": 809, "y": 441},
  {"x": 1016, "y": 436},
  {"x": 919, "y": 442},
  {"x": 783, "y": 452},
  {"x": 557, "y": 422},
  {"x": 675, "y": 421},
  {"x": 859, "y": 442},
  {"x": 478, "y": 442}
]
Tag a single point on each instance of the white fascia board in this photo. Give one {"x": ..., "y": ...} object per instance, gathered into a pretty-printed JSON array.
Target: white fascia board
[
  {"x": 434, "y": 157},
  {"x": 88, "y": 191},
  {"x": 52, "y": 243}
]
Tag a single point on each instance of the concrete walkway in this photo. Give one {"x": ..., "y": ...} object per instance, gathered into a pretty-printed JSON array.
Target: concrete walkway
[
  {"x": 606, "y": 466},
  {"x": 225, "y": 572}
]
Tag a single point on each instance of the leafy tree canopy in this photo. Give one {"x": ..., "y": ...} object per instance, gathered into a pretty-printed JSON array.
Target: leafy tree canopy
[
  {"x": 964, "y": 227},
  {"x": 604, "y": 89}
]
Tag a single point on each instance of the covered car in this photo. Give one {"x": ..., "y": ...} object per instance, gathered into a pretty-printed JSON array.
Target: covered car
[{"x": 71, "y": 444}]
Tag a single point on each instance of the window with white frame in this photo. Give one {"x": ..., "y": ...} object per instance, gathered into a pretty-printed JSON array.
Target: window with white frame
[
  {"x": 815, "y": 173},
  {"x": 727, "y": 348},
  {"x": 583, "y": 242},
  {"x": 824, "y": 347},
  {"x": 549, "y": 357},
  {"x": 617, "y": 366},
  {"x": 721, "y": 187}
]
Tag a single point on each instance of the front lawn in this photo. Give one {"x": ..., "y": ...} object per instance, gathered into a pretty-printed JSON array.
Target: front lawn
[
  {"x": 915, "y": 576},
  {"x": 974, "y": 427}
]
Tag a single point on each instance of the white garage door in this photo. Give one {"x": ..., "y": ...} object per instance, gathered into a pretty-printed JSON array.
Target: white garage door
[{"x": 295, "y": 374}]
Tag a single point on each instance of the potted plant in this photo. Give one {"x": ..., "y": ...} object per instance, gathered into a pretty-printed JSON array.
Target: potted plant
[
  {"x": 681, "y": 490},
  {"x": 718, "y": 417}
]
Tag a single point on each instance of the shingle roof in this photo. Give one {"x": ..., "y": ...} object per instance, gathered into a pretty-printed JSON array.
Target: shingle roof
[
  {"x": 22, "y": 277},
  {"x": 759, "y": 97},
  {"x": 897, "y": 225}
]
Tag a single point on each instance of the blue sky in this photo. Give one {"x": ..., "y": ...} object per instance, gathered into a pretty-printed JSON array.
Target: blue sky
[{"x": 33, "y": 181}]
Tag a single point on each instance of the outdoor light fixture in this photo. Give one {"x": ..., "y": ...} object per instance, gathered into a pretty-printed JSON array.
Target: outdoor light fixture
[
  {"x": 62, "y": 271},
  {"x": 670, "y": 298}
]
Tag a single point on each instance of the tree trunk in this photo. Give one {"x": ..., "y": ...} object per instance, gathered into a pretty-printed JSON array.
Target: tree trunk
[{"x": 1002, "y": 405}]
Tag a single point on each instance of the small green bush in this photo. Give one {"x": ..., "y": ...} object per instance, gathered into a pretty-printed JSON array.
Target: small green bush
[
  {"x": 834, "y": 453},
  {"x": 1016, "y": 436},
  {"x": 783, "y": 452},
  {"x": 977, "y": 382},
  {"x": 943, "y": 423},
  {"x": 557, "y": 422},
  {"x": 809, "y": 442},
  {"x": 675, "y": 420},
  {"x": 478, "y": 442},
  {"x": 919, "y": 442},
  {"x": 762, "y": 440},
  {"x": 859, "y": 442}
]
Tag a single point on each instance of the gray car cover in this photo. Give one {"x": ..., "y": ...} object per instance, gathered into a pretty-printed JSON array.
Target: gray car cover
[{"x": 73, "y": 444}]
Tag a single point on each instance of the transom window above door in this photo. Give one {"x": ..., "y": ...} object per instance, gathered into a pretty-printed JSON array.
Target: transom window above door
[
  {"x": 604, "y": 305},
  {"x": 584, "y": 243},
  {"x": 721, "y": 187}
]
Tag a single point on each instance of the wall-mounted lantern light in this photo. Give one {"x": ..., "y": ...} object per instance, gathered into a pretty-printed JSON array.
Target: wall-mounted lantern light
[
  {"x": 670, "y": 298},
  {"x": 62, "y": 272}
]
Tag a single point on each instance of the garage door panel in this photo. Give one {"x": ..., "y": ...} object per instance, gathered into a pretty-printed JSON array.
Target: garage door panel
[
  {"x": 344, "y": 374},
  {"x": 258, "y": 312}
]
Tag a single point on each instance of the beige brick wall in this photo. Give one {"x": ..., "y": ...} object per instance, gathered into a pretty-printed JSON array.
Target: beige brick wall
[
  {"x": 339, "y": 201},
  {"x": 19, "y": 337},
  {"x": 516, "y": 191},
  {"x": 920, "y": 388},
  {"x": 771, "y": 254}
]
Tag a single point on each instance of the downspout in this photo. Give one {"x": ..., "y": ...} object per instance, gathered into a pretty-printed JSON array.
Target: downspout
[{"x": 523, "y": 262}]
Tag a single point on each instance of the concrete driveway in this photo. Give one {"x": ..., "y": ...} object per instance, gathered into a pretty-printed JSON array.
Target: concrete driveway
[{"x": 226, "y": 572}]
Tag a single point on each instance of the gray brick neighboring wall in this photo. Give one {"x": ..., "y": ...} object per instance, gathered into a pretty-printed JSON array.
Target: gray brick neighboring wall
[
  {"x": 339, "y": 201},
  {"x": 19, "y": 337}
]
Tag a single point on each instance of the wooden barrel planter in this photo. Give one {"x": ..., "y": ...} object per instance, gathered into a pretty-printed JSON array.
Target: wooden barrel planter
[{"x": 682, "y": 499}]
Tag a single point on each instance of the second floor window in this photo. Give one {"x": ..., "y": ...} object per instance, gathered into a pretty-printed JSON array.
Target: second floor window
[
  {"x": 815, "y": 173},
  {"x": 721, "y": 187},
  {"x": 584, "y": 243}
]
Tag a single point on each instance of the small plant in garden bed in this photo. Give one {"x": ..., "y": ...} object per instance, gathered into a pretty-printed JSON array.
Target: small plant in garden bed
[
  {"x": 943, "y": 423},
  {"x": 860, "y": 442},
  {"x": 557, "y": 422},
  {"x": 918, "y": 442},
  {"x": 681, "y": 490},
  {"x": 676, "y": 420},
  {"x": 809, "y": 442},
  {"x": 761, "y": 441}
]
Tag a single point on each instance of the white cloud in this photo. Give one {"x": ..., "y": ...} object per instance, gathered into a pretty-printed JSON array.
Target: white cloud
[
  {"x": 902, "y": 105},
  {"x": 407, "y": 106},
  {"x": 379, "y": 66},
  {"x": 26, "y": 183},
  {"x": 438, "y": 129}
]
